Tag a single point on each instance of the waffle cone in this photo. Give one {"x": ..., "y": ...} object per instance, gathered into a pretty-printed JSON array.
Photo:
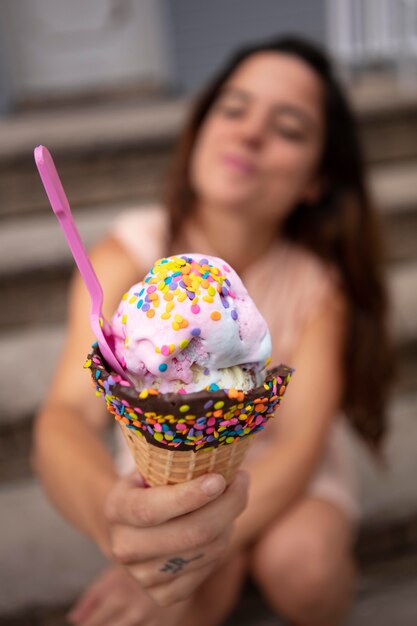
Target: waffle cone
[
  {"x": 160, "y": 466},
  {"x": 177, "y": 437}
]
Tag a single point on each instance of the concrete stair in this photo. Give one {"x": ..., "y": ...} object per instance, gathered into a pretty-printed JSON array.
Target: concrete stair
[{"x": 110, "y": 160}]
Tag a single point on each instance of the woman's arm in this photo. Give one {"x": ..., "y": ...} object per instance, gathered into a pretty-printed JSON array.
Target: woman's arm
[
  {"x": 68, "y": 456},
  {"x": 143, "y": 529},
  {"x": 310, "y": 404}
]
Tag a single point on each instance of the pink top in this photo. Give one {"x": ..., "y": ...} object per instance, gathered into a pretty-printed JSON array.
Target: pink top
[{"x": 290, "y": 286}]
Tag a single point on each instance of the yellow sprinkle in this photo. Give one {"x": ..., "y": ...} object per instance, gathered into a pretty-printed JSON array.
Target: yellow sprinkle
[
  {"x": 171, "y": 348},
  {"x": 161, "y": 285},
  {"x": 132, "y": 299},
  {"x": 157, "y": 350},
  {"x": 178, "y": 318},
  {"x": 184, "y": 343},
  {"x": 211, "y": 291},
  {"x": 156, "y": 303},
  {"x": 165, "y": 316},
  {"x": 208, "y": 299},
  {"x": 126, "y": 341},
  {"x": 124, "y": 318},
  {"x": 169, "y": 306},
  {"x": 182, "y": 296},
  {"x": 143, "y": 394},
  {"x": 125, "y": 295},
  {"x": 175, "y": 326},
  {"x": 87, "y": 363}
]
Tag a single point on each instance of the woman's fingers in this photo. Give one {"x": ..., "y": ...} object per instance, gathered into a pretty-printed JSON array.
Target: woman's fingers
[
  {"x": 88, "y": 601},
  {"x": 189, "y": 532},
  {"x": 181, "y": 588},
  {"x": 163, "y": 571},
  {"x": 143, "y": 508},
  {"x": 110, "y": 607}
]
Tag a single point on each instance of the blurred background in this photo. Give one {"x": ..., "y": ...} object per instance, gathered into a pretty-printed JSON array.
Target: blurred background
[{"x": 105, "y": 85}]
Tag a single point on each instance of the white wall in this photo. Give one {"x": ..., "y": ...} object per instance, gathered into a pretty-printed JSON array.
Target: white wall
[{"x": 70, "y": 45}]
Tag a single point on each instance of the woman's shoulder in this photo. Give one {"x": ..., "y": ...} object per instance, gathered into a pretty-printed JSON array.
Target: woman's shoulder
[{"x": 143, "y": 232}]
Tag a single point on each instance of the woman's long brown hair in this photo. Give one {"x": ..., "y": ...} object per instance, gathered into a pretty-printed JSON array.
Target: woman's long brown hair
[{"x": 341, "y": 228}]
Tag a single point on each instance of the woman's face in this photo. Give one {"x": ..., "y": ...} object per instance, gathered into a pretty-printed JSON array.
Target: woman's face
[{"x": 259, "y": 147}]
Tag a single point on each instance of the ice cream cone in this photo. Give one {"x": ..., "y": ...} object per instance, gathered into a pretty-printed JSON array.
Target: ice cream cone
[{"x": 176, "y": 437}]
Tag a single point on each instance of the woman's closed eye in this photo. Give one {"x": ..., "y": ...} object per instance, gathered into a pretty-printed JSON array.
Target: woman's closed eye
[
  {"x": 293, "y": 133},
  {"x": 231, "y": 110}
]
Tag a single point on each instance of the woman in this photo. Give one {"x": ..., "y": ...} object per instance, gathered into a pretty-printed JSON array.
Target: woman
[{"x": 269, "y": 176}]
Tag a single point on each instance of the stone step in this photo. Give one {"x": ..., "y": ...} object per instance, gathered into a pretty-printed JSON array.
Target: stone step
[
  {"x": 118, "y": 153},
  {"x": 35, "y": 539},
  {"x": 35, "y": 263},
  {"x": 43, "y": 561}
]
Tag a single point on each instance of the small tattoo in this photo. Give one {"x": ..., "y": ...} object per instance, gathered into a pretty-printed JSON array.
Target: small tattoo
[{"x": 177, "y": 563}]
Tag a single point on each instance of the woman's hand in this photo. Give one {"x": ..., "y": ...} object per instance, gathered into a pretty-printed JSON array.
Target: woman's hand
[
  {"x": 171, "y": 537},
  {"x": 114, "y": 597}
]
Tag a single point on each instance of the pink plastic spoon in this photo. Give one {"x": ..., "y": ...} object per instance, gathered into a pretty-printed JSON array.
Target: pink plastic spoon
[{"x": 60, "y": 206}]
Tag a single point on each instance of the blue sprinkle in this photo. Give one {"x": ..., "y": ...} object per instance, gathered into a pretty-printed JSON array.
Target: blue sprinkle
[
  {"x": 214, "y": 387},
  {"x": 139, "y": 304},
  {"x": 224, "y": 303},
  {"x": 165, "y": 427},
  {"x": 163, "y": 367},
  {"x": 234, "y": 314},
  {"x": 208, "y": 404},
  {"x": 168, "y": 279},
  {"x": 196, "y": 332},
  {"x": 95, "y": 344},
  {"x": 206, "y": 373},
  {"x": 97, "y": 374},
  {"x": 203, "y": 261}
]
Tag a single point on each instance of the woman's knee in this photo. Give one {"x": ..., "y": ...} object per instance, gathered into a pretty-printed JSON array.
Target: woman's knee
[{"x": 300, "y": 565}]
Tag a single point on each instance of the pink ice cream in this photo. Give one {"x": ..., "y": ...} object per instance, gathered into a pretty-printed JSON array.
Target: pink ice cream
[{"x": 191, "y": 325}]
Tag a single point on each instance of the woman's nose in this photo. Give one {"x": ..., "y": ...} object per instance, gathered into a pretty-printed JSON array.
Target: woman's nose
[{"x": 253, "y": 131}]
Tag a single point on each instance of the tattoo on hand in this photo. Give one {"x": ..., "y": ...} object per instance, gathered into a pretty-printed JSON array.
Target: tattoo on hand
[{"x": 177, "y": 563}]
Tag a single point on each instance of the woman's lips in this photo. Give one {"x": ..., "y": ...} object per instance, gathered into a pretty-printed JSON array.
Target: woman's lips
[{"x": 239, "y": 164}]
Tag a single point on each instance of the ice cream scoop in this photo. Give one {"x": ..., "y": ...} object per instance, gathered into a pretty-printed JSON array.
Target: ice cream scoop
[{"x": 191, "y": 325}]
